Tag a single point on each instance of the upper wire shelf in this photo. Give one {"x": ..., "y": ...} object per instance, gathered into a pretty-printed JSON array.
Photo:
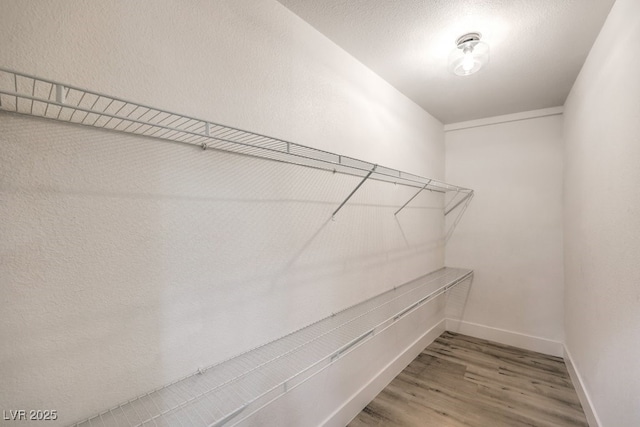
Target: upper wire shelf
[
  {"x": 230, "y": 391},
  {"x": 35, "y": 96}
]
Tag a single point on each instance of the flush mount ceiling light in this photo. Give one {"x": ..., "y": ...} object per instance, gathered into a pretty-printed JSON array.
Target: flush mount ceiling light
[{"x": 469, "y": 55}]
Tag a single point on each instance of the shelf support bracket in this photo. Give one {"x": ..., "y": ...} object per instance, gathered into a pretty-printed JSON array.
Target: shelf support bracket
[
  {"x": 469, "y": 194},
  {"x": 60, "y": 95},
  {"x": 414, "y": 196},
  {"x": 229, "y": 416},
  {"x": 351, "y": 344},
  {"x": 353, "y": 192}
]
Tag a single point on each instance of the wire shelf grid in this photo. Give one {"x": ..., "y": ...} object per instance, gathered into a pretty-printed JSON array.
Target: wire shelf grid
[
  {"x": 227, "y": 392},
  {"x": 25, "y": 94}
]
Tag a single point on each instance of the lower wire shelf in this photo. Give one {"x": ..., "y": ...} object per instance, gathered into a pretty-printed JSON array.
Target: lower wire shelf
[{"x": 231, "y": 390}]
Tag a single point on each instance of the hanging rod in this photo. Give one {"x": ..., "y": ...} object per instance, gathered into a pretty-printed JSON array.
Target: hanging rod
[
  {"x": 232, "y": 390},
  {"x": 26, "y": 94}
]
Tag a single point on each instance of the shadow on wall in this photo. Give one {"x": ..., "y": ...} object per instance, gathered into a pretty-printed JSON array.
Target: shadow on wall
[
  {"x": 457, "y": 301},
  {"x": 457, "y": 297},
  {"x": 459, "y": 210}
]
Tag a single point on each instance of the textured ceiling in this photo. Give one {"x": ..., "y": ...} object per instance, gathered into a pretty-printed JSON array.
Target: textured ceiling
[{"x": 537, "y": 48}]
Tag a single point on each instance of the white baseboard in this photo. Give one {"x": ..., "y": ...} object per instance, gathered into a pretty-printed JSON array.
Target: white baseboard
[
  {"x": 578, "y": 384},
  {"x": 502, "y": 336},
  {"x": 352, "y": 407}
]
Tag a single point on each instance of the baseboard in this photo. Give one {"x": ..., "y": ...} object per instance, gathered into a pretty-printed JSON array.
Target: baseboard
[
  {"x": 352, "y": 407},
  {"x": 578, "y": 384},
  {"x": 502, "y": 336}
]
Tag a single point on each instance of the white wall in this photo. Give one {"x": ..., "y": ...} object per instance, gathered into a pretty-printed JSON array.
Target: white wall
[
  {"x": 602, "y": 220},
  {"x": 128, "y": 262},
  {"x": 511, "y": 233}
]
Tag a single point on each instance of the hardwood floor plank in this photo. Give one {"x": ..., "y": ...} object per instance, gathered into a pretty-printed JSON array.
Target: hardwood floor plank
[
  {"x": 460, "y": 406},
  {"x": 464, "y": 381},
  {"x": 563, "y": 394},
  {"x": 508, "y": 353},
  {"x": 474, "y": 399},
  {"x": 472, "y": 358}
]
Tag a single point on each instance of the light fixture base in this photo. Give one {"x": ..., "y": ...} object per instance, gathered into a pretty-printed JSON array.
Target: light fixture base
[
  {"x": 469, "y": 55},
  {"x": 468, "y": 38}
]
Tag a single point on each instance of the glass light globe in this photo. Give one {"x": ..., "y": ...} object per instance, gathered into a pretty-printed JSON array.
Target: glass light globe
[{"x": 469, "y": 56}]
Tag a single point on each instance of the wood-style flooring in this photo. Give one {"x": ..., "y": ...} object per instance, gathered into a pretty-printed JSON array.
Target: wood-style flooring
[{"x": 463, "y": 381}]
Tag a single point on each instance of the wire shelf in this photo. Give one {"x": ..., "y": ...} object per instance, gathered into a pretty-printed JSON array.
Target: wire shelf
[
  {"x": 227, "y": 392},
  {"x": 34, "y": 96}
]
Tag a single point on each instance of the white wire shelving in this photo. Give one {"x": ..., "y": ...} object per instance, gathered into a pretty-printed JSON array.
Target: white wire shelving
[
  {"x": 228, "y": 392},
  {"x": 26, "y": 94}
]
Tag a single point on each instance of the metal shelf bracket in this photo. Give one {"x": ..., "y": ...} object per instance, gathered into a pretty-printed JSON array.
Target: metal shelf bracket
[
  {"x": 466, "y": 196},
  {"x": 414, "y": 196},
  {"x": 60, "y": 95},
  {"x": 333, "y": 216}
]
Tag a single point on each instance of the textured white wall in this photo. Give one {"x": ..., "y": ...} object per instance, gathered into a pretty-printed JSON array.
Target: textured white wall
[
  {"x": 511, "y": 233},
  {"x": 602, "y": 220},
  {"x": 129, "y": 262}
]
